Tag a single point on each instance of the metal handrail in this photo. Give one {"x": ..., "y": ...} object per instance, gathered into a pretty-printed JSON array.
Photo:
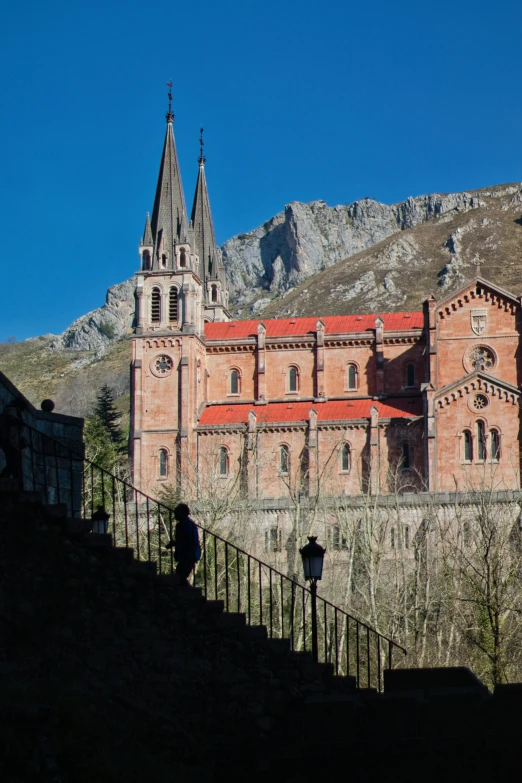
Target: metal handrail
[{"x": 225, "y": 572}]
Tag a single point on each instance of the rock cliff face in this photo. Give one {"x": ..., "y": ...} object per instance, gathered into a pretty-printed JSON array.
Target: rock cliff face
[
  {"x": 265, "y": 265},
  {"x": 95, "y": 330},
  {"x": 304, "y": 239}
]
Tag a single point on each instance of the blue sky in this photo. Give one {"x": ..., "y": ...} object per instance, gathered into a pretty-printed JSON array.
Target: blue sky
[{"x": 300, "y": 101}]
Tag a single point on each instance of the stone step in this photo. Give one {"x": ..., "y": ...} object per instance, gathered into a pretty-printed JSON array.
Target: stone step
[
  {"x": 230, "y": 620},
  {"x": 9, "y": 485},
  {"x": 95, "y": 541},
  {"x": 123, "y": 554},
  {"x": 28, "y": 496},
  {"x": 75, "y": 525},
  {"x": 258, "y": 632},
  {"x": 214, "y": 607},
  {"x": 279, "y": 646},
  {"x": 143, "y": 568},
  {"x": 55, "y": 510}
]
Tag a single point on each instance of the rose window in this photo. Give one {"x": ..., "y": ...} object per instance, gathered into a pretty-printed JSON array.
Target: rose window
[
  {"x": 480, "y": 401},
  {"x": 163, "y": 365},
  {"x": 481, "y": 358}
]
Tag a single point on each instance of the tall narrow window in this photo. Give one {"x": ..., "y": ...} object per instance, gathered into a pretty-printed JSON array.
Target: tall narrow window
[
  {"x": 352, "y": 377},
  {"x": 406, "y": 536},
  {"x": 410, "y": 374},
  {"x": 146, "y": 260},
  {"x": 346, "y": 458},
  {"x": 182, "y": 257},
  {"x": 213, "y": 292},
  {"x": 223, "y": 461},
  {"x": 284, "y": 459},
  {"x": 481, "y": 440},
  {"x": 405, "y": 456},
  {"x": 468, "y": 446},
  {"x": 273, "y": 539},
  {"x": 163, "y": 463},
  {"x": 337, "y": 540},
  {"x": 392, "y": 538},
  {"x": 495, "y": 445},
  {"x": 155, "y": 305},
  {"x": 164, "y": 260},
  {"x": 292, "y": 379},
  {"x": 234, "y": 382},
  {"x": 173, "y": 304}
]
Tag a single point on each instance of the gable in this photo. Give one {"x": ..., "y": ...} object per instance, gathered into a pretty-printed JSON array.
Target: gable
[
  {"x": 477, "y": 295},
  {"x": 473, "y": 384},
  {"x": 470, "y": 290}
]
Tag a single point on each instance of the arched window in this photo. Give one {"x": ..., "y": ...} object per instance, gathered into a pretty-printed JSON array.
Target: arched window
[
  {"x": 337, "y": 540},
  {"x": 182, "y": 257},
  {"x": 223, "y": 461},
  {"x": 293, "y": 379},
  {"x": 410, "y": 374},
  {"x": 163, "y": 463},
  {"x": 481, "y": 440},
  {"x": 405, "y": 456},
  {"x": 173, "y": 304},
  {"x": 164, "y": 260},
  {"x": 146, "y": 259},
  {"x": 213, "y": 293},
  {"x": 494, "y": 440},
  {"x": 346, "y": 458},
  {"x": 392, "y": 537},
  {"x": 155, "y": 305},
  {"x": 468, "y": 446},
  {"x": 352, "y": 377},
  {"x": 284, "y": 459},
  {"x": 234, "y": 382}
]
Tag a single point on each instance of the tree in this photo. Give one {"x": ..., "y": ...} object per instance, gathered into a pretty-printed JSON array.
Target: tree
[
  {"x": 100, "y": 448},
  {"x": 108, "y": 415}
]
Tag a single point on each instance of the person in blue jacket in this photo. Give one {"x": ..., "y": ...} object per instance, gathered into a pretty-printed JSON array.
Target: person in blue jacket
[{"x": 187, "y": 549}]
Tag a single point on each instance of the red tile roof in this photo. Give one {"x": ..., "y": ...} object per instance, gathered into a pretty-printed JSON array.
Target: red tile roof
[
  {"x": 333, "y": 410},
  {"x": 334, "y": 324}
]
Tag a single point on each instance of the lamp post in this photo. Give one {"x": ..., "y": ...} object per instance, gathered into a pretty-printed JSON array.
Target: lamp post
[{"x": 313, "y": 556}]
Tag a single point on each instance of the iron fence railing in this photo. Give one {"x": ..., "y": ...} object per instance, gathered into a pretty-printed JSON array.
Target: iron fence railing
[{"x": 225, "y": 572}]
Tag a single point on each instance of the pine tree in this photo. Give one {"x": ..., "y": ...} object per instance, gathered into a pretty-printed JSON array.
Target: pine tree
[{"x": 108, "y": 415}]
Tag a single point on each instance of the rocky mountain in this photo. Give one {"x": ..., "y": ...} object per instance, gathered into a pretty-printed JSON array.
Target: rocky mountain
[
  {"x": 305, "y": 239},
  {"x": 310, "y": 259}
]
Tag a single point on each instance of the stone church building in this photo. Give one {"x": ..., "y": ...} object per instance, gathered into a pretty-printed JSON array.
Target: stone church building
[{"x": 352, "y": 404}]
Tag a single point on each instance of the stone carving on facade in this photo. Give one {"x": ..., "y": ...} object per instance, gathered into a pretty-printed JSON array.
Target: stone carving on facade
[
  {"x": 161, "y": 366},
  {"x": 480, "y": 357},
  {"x": 478, "y": 321}
]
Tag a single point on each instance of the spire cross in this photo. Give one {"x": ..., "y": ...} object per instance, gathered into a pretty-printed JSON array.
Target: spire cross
[
  {"x": 170, "y": 116},
  {"x": 202, "y": 158}
]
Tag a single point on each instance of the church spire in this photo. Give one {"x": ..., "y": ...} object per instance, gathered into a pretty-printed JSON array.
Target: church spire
[
  {"x": 147, "y": 232},
  {"x": 201, "y": 220},
  {"x": 169, "y": 217}
]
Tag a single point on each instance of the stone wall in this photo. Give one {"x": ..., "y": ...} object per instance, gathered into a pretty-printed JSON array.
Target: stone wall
[{"x": 53, "y": 453}]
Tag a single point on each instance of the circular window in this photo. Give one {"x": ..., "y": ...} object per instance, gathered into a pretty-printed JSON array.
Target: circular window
[
  {"x": 480, "y": 357},
  {"x": 161, "y": 365},
  {"x": 479, "y": 402}
]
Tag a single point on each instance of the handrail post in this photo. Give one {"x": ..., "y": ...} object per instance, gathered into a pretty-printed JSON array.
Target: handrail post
[{"x": 315, "y": 650}]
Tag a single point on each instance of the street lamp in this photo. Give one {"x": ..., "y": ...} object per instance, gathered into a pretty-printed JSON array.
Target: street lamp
[{"x": 313, "y": 557}]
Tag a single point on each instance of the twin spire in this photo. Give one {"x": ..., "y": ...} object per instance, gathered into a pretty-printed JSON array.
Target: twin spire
[{"x": 169, "y": 226}]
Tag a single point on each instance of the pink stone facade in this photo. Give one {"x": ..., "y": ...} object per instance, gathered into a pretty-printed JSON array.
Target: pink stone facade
[{"x": 433, "y": 404}]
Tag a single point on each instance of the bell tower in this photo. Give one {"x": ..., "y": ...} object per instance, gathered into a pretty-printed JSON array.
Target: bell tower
[{"x": 179, "y": 286}]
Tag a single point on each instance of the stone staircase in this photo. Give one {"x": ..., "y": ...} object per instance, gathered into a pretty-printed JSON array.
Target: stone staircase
[
  {"x": 212, "y": 686},
  {"x": 112, "y": 672}
]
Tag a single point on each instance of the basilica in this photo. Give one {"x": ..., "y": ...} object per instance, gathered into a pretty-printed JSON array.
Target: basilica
[{"x": 369, "y": 403}]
